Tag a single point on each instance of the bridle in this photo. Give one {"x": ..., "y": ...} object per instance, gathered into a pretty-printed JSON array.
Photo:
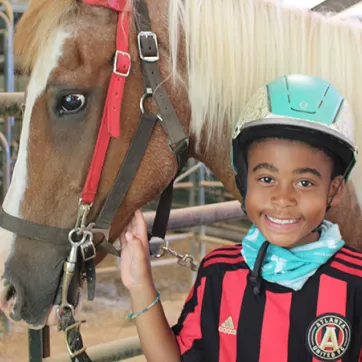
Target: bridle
[{"x": 81, "y": 236}]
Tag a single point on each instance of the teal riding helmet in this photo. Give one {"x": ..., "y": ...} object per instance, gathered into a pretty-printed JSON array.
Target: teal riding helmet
[{"x": 297, "y": 107}]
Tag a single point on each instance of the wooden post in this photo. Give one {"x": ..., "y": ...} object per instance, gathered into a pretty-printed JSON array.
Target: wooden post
[
  {"x": 39, "y": 344},
  {"x": 35, "y": 347}
]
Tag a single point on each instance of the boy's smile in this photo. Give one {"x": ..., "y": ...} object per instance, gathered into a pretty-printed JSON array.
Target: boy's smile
[
  {"x": 288, "y": 189},
  {"x": 281, "y": 223}
]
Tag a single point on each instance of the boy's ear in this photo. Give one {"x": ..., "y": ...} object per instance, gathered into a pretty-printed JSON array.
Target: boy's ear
[{"x": 336, "y": 191}]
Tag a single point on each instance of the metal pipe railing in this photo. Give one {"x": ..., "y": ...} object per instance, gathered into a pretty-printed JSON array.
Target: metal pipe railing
[
  {"x": 198, "y": 215},
  {"x": 6, "y": 163},
  {"x": 188, "y": 172},
  {"x": 107, "y": 352},
  {"x": 8, "y": 18},
  {"x": 5, "y": 139},
  {"x": 9, "y": 11}
]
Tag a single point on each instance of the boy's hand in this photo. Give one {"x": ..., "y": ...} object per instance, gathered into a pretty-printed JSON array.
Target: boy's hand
[{"x": 135, "y": 262}]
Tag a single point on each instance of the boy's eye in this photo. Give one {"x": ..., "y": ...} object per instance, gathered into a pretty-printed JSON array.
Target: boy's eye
[
  {"x": 266, "y": 179},
  {"x": 305, "y": 183}
]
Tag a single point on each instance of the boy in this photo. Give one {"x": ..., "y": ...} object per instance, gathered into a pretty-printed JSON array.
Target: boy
[{"x": 292, "y": 291}]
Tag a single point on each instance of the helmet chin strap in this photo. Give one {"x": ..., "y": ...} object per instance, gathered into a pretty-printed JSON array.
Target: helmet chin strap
[
  {"x": 344, "y": 177},
  {"x": 334, "y": 194},
  {"x": 241, "y": 185}
]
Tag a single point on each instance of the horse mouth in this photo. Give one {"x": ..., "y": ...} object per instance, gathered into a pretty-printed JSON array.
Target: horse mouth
[
  {"x": 19, "y": 313},
  {"x": 51, "y": 319},
  {"x": 7, "y": 297}
]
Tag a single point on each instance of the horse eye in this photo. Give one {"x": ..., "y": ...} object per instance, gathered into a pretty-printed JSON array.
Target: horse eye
[{"x": 72, "y": 103}]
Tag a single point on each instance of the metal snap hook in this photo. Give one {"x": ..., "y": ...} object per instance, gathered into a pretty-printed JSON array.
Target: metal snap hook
[
  {"x": 62, "y": 307},
  {"x": 76, "y": 233}
]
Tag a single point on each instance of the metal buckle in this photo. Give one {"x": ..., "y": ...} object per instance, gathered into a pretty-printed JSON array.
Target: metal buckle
[
  {"x": 148, "y": 58},
  {"x": 88, "y": 250},
  {"x": 115, "y": 63},
  {"x": 179, "y": 147},
  {"x": 104, "y": 232},
  {"x": 67, "y": 330}
]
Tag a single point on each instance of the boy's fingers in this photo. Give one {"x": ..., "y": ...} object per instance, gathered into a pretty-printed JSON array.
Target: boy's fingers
[
  {"x": 141, "y": 227},
  {"x": 122, "y": 239},
  {"x": 129, "y": 236},
  {"x": 136, "y": 231},
  {"x": 132, "y": 239},
  {"x": 130, "y": 226}
]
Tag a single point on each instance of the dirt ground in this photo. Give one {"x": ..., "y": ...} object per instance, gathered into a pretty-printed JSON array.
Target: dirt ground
[{"x": 105, "y": 316}]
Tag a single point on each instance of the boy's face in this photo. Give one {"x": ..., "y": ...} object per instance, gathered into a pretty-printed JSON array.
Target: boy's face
[{"x": 289, "y": 188}]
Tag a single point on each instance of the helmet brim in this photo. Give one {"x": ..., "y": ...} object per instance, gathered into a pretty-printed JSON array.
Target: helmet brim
[{"x": 315, "y": 134}]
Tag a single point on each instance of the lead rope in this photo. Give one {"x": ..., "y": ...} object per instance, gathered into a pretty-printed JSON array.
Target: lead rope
[{"x": 80, "y": 239}]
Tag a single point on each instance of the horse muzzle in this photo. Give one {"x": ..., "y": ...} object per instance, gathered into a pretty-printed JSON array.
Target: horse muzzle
[{"x": 29, "y": 288}]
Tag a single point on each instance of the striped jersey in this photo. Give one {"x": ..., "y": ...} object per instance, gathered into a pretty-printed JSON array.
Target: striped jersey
[{"x": 224, "y": 321}]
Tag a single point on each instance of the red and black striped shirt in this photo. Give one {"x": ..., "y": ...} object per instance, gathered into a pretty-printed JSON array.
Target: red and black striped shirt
[{"x": 224, "y": 321}]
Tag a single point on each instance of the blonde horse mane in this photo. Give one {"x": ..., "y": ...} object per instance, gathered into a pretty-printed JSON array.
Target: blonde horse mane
[{"x": 234, "y": 47}]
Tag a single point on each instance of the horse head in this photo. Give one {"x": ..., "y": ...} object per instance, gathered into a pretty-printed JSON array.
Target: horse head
[{"x": 69, "y": 48}]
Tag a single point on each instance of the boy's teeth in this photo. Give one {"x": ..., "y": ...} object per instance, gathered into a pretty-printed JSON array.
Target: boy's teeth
[{"x": 279, "y": 221}]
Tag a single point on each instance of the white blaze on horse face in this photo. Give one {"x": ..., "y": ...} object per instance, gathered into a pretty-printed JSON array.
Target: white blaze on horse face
[{"x": 50, "y": 54}]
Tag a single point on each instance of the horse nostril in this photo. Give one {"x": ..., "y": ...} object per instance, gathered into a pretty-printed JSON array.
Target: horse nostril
[
  {"x": 10, "y": 293},
  {"x": 7, "y": 296}
]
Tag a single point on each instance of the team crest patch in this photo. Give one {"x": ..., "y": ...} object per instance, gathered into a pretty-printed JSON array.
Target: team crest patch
[{"x": 328, "y": 337}]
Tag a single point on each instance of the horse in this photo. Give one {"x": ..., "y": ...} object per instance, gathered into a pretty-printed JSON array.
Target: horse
[{"x": 212, "y": 56}]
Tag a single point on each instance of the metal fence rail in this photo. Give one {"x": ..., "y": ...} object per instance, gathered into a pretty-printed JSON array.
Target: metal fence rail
[
  {"x": 7, "y": 16},
  {"x": 108, "y": 352}
]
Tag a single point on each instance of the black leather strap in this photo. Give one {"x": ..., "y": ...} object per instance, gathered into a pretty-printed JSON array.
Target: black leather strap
[
  {"x": 128, "y": 170},
  {"x": 50, "y": 234},
  {"x": 148, "y": 48},
  {"x": 89, "y": 271},
  {"x": 31, "y": 230},
  {"x": 162, "y": 213}
]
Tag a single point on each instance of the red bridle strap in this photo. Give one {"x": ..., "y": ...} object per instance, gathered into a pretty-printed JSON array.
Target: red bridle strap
[
  {"x": 116, "y": 5},
  {"x": 111, "y": 120}
]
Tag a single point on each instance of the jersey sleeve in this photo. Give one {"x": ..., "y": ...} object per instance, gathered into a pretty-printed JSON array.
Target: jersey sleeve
[{"x": 188, "y": 328}]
